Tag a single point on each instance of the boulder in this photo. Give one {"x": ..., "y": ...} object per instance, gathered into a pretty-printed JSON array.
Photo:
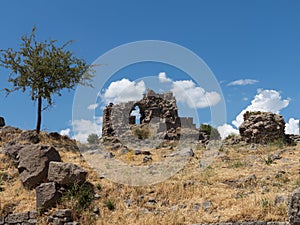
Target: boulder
[
  {"x": 33, "y": 163},
  {"x": 294, "y": 208},
  {"x": 2, "y": 122},
  {"x": 47, "y": 195},
  {"x": 262, "y": 127},
  {"x": 66, "y": 173}
]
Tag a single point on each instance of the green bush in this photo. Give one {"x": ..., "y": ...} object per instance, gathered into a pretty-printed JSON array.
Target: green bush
[
  {"x": 109, "y": 204},
  {"x": 141, "y": 132},
  {"x": 80, "y": 196},
  {"x": 93, "y": 139},
  {"x": 212, "y": 132}
]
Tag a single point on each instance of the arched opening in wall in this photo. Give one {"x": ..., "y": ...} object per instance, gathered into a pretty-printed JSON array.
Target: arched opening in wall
[{"x": 135, "y": 115}]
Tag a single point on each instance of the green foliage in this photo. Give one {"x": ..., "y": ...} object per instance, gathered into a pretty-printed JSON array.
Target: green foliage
[
  {"x": 109, "y": 204},
  {"x": 265, "y": 203},
  {"x": 278, "y": 143},
  {"x": 269, "y": 160},
  {"x": 237, "y": 164},
  {"x": 232, "y": 135},
  {"x": 80, "y": 196},
  {"x": 43, "y": 68},
  {"x": 99, "y": 186},
  {"x": 211, "y": 131},
  {"x": 141, "y": 132},
  {"x": 93, "y": 139}
]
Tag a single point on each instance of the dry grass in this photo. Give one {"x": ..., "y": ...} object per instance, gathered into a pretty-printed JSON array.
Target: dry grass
[{"x": 225, "y": 184}]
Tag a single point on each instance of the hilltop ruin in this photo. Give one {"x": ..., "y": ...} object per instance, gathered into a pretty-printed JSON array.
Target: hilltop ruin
[{"x": 158, "y": 109}]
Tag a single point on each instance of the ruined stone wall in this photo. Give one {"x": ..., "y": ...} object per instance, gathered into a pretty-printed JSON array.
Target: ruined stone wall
[
  {"x": 154, "y": 108},
  {"x": 2, "y": 122},
  {"x": 262, "y": 127}
]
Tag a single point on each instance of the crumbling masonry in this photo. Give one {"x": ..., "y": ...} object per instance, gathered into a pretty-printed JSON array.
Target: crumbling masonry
[{"x": 160, "y": 109}]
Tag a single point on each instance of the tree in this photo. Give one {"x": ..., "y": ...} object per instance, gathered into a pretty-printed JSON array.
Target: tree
[
  {"x": 44, "y": 68},
  {"x": 92, "y": 138}
]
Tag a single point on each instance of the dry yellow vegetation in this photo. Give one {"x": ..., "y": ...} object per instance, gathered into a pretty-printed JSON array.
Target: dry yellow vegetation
[{"x": 241, "y": 184}]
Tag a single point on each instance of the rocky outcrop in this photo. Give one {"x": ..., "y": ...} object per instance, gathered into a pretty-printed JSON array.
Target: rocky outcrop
[
  {"x": 262, "y": 127},
  {"x": 27, "y": 218},
  {"x": 47, "y": 194},
  {"x": 32, "y": 162},
  {"x": 2, "y": 122},
  {"x": 294, "y": 208},
  {"x": 66, "y": 173}
]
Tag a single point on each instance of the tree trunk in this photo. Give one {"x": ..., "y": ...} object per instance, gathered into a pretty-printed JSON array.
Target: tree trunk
[{"x": 39, "y": 115}]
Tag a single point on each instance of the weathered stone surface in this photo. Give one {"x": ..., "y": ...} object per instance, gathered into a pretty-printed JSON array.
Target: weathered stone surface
[
  {"x": 2, "y": 122},
  {"x": 61, "y": 217},
  {"x": 160, "y": 109},
  {"x": 62, "y": 213},
  {"x": 262, "y": 127},
  {"x": 27, "y": 218},
  {"x": 34, "y": 163},
  {"x": 28, "y": 136},
  {"x": 33, "y": 214},
  {"x": 12, "y": 152},
  {"x": 16, "y": 218},
  {"x": 185, "y": 152},
  {"x": 66, "y": 173},
  {"x": 294, "y": 208},
  {"x": 47, "y": 195}
]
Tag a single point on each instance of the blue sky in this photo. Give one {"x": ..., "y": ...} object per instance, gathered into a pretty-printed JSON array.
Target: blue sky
[{"x": 238, "y": 40}]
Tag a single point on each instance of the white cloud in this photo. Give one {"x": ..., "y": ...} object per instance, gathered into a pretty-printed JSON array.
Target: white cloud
[
  {"x": 187, "y": 92},
  {"x": 65, "y": 132},
  {"x": 226, "y": 130},
  {"x": 93, "y": 106},
  {"x": 163, "y": 78},
  {"x": 292, "y": 127},
  {"x": 123, "y": 91},
  {"x": 83, "y": 128},
  {"x": 242, "y": 82},
  {"x": 245, "y": 99},
  {"x": 265, "y": 101}
]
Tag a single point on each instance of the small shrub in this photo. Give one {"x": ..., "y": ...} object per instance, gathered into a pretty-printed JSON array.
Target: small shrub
[
  {"x": 265, "y": 203},
  {"x": 278, "y": 143},
  {"x": 269, "y": 160},
  {"x": 80, "y": 196},
  {"x": 93, "y": 139},
  {"x": 237, "y": 164},
  {"x": 109, "y": 204},
  {"x": 141, "y": 132},
  {"x": 212, "y": 132},
  {"x": 232, "y": 135},
  {"x": 98, "y": 186}
]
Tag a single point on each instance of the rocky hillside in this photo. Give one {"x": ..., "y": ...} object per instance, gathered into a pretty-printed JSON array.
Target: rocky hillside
[{"x": 245, "y": 182}]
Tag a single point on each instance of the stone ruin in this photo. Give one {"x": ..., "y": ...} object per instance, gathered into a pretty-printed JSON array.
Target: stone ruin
[
  {"x": 262, "y": 127},
  {"x": 158, "y": 109},
  {"x": 2, "y": 122}
]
